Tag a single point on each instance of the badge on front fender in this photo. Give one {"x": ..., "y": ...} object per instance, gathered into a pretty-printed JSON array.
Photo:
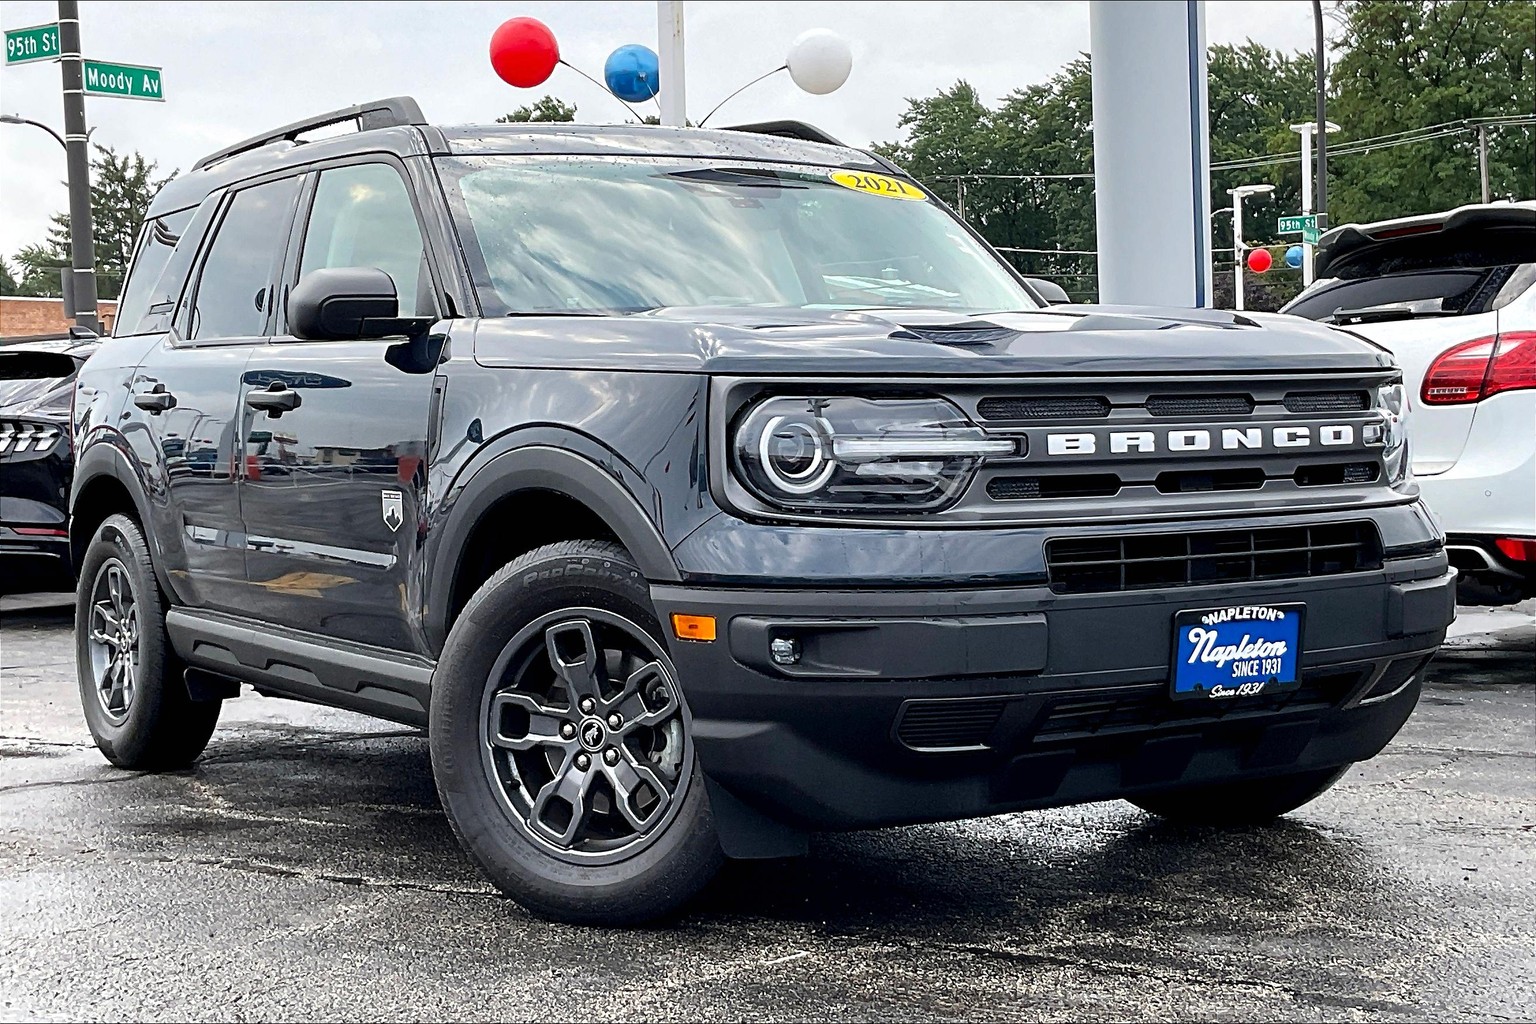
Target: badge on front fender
[{"x": 394, "y": 510}]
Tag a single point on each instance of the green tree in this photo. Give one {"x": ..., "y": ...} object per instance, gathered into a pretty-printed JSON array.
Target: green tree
[
  {"x": 1407, "y": 64},
  {"x": 121, "y": 189},
  {"x": 545, "y": 108},
  {"x": 1254, "y": 95},
  {"x": 8, "y": 282}
]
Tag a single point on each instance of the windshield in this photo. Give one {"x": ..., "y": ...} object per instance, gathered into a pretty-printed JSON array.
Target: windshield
[{"x": 562, "y": 235}]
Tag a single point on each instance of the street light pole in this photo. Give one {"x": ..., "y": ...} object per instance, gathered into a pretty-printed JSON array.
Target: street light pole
[
  {"x": 82, "y": 247},
  {"x": 1238, "y": 195},
  {"x": 1482, "y": 159},
  {"x": 1237, "y": 250},
  {"x": 18, "y": 119},
  {"x": 1322, "y": 117}
]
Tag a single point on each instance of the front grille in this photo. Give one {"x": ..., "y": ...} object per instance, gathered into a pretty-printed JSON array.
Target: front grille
[
  {"x": 948, "y": 724},
  {"x": 1078, "y": 718},
  {"x": 1073, "y": 485},
  {"x": 1327, "y": 401},
  {"x": 1044, "y": 408},
  {"x": 20, "y": 438},
  {"x": 1187, "y": 481},
  {"x": 1107, "y": 564},
  {"x": 1200, "y": 405}
]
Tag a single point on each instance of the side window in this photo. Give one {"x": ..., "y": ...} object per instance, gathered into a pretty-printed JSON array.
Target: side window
[
  {"x": 362, "y": 217},
  {"x": 156, "y": 243},
  {"x": 235, "y": 286}
]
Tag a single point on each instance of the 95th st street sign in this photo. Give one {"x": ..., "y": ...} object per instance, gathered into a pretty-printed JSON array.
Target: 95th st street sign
[
  {"x": 125, "y": 81},
  {"x": 40, "y": 42},
  {"x": 1305, "y": 226}
]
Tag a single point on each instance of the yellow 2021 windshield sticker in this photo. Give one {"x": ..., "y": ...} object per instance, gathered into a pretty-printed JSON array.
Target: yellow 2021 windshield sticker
[{"x": 878, "y": 185}]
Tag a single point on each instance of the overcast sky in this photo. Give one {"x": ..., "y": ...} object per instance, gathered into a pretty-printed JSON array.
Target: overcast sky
[{"x": 233, "y": 69}]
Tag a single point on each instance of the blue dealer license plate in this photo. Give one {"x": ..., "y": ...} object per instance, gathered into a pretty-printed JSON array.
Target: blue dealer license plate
[{"x": 1236, "y": 652}]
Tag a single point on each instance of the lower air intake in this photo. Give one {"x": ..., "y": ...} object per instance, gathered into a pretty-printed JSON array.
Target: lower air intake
[{"x": 933, "y": 725}]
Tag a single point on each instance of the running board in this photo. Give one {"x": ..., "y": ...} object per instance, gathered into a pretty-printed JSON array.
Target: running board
[{"x": 370, "y": 680}]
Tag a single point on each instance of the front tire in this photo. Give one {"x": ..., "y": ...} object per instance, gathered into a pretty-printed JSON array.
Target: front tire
[
  {"x": 562, "y": 744},
  {"x": 1250, "y": 802},
  {"x": 132, "y": 686}
]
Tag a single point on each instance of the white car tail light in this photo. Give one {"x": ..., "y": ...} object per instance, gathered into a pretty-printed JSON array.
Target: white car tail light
[{"x": 1474, "y": 370}]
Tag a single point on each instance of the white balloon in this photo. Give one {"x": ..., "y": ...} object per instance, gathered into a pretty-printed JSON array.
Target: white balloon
[{"x": 819, "y": 61}]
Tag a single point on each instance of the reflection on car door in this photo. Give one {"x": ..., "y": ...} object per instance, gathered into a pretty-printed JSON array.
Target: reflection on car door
[
  {"x": 333, "y": 484},
  {"x": 183, "y": 418}
]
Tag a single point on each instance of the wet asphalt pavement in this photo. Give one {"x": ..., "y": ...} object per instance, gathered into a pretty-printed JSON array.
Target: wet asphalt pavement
[{"x": 303, "y": 870}]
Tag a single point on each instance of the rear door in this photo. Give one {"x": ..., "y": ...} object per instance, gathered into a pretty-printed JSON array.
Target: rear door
[
  {"x": 334, "y": 485},
  {"x": 183, "y": 414}
]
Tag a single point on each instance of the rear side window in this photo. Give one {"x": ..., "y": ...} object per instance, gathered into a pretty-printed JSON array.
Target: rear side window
[
  {"x": 157, "y": 241},
  {"x": 363, "y": 217},
  {"x": 1447, "y": 291},
  {"x": 235, "y": 287}
]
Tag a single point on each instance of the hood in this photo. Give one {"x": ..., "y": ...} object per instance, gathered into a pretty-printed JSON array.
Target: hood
[{"x": 1063, "y": 340}]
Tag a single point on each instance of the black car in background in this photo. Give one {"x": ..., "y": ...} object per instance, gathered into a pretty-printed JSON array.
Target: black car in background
[{"x": 37, "y": 379}]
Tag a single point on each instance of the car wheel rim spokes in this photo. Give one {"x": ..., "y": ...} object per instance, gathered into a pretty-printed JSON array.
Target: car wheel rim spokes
[
  {"x": 113, "y": 640},
  {"x": 585, "y": 734}
]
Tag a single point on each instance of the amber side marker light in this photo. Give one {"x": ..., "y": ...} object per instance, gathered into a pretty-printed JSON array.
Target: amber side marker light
[{"x": 694, "y": 627}]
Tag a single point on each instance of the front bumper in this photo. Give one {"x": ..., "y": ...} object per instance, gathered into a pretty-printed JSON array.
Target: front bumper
[{"x": 912, "y": 706}]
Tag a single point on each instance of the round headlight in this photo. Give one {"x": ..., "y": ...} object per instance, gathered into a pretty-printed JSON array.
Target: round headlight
[{"x": 796, "y": 453}]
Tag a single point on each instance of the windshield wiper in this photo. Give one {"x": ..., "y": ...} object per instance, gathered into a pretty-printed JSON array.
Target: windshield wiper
[{"x": 1379, "y": 314}]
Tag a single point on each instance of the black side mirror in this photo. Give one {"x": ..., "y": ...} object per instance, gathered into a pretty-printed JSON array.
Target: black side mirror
[
  {"x": 341, "y": 303},
  {"x": 1053, "y": 293}
]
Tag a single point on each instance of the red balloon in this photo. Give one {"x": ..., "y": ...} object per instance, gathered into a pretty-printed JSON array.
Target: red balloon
[
  {"x": 1259, "y": 260},
  {"x": 524, "y": 52}
]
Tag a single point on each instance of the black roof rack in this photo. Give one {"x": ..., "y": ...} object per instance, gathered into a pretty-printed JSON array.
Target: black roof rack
[
  {"x": 387, "y": 113},
  {"x": 788, "y": 130}
]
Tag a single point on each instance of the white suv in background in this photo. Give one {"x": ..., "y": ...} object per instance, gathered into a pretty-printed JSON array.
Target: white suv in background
[{"x": 1453, "y": 296}]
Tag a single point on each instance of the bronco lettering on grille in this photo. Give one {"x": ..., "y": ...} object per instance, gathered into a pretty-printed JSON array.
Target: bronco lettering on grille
[{"x": 1121, "y": 442}]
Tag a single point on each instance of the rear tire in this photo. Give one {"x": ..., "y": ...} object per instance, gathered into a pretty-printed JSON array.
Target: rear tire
[
  {"x": 1251, "y": 802},
  {"x": 561, "y": 742},
  {"x": 132, "y": 684}
]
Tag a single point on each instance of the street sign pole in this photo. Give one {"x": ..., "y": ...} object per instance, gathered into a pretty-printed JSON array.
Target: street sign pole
[{"x": 82, "y": 247}]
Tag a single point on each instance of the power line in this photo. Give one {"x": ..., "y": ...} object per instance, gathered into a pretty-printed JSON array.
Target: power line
[{"x": 1427, "y": 133}]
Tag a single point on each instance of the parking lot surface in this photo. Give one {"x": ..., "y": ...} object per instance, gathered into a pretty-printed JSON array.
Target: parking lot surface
[{"x": 303, "y": 870}]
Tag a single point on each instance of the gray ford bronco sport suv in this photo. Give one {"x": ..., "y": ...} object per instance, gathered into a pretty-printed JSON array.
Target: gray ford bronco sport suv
[{"x": 696, "y": 490}]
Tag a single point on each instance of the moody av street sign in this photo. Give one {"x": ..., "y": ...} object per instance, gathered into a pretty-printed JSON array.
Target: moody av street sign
[{"x": 125, "y": 81}]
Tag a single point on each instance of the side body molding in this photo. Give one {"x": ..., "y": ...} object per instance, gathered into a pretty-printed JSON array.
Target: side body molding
[{"x": 538, "y": 467}]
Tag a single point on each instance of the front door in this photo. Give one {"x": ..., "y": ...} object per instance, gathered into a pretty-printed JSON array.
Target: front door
[{"x": 334, "y": 473}]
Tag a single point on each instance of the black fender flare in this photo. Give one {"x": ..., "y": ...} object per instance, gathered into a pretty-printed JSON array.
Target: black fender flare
[
  {"x": 542, "y": 467},
  {"x": 104, "y": 458}
]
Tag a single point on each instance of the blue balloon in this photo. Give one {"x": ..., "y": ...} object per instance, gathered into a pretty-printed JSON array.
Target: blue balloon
[
  {"x": 1293, "y": 257},
  {"x": 633, "y": 73}
]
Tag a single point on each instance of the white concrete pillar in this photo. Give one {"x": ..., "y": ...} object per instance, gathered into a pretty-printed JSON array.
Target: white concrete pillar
[
  {"x": 669, "y": 51},
  {"x": 1151, "y": 152}
]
